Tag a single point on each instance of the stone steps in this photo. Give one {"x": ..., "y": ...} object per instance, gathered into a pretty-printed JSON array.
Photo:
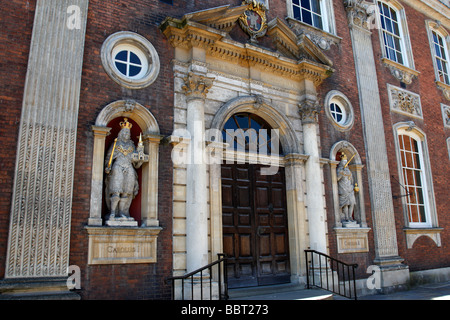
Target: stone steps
[{"x": 36, "y": 289}]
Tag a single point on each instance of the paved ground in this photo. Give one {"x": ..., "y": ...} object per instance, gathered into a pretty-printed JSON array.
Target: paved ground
[{"x": 435, "y": 291}]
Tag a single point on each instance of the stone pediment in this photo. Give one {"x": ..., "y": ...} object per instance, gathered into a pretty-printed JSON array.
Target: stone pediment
[
  {"x": 294, "y": 55},
  {"x": 222, "y": 18}
]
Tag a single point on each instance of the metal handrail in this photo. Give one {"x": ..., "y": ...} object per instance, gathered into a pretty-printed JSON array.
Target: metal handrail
[
  {"x": 222, "y": 259},
  {"x": 335, "y": 266}
]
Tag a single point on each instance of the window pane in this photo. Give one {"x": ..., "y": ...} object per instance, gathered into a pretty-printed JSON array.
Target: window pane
[
  {"x": 399, "y": 58},
  {"x": 122, "y": 68},
  {"x": 134, "y": 70},
  {"x": 297, "y": 13},
  {"x": 383, "y": 24},
  {"x": 134, "y": 58},
  {"x": 318, "y": 21},
  {"x": 437, "y": 50},
  {"x": 316, "y": 6},
  {"x": 422, "y": 214},
  {"x": 439, "y": 64},
  {"x": 389, "y": 25},
  {"x": 393, "y": 15},
  {"x": 443, "y": 55},
  {"x": 414, "y": 217},
  {"x": 386, "y": 10},
  {"x": 306, "y": 4},
  {"x": 296, "y": 2},
  {"x": 396, "y": 29},
  {"x": 122, "y": 56},
  {"x": 306, "y": 15}
]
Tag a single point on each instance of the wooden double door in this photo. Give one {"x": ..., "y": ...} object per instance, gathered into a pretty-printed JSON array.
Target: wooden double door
[{"x": 255, "y": 226}]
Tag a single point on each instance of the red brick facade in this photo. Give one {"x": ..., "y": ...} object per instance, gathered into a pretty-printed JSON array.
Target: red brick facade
[{"x": 148, "y": 281}]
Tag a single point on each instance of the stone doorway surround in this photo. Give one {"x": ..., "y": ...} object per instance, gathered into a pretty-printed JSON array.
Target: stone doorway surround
[{"x": 215, "y": 77}]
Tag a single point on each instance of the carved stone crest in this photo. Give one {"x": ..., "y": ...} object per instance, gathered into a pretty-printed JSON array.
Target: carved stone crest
[
  {"x": 404, "y": 102},
  {"x": 254, "y": 20}
]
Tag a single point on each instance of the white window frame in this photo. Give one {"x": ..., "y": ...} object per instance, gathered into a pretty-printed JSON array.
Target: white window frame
[
  {"x": 130, "y": 48},
  {"x": 425, "y": 172},
  {"x": 405, "y": 43},
  {"x": 125, "y": 40},
  {"x": 433, "y": 26},
  {"x": 338, "y": 98},
  {"x": 326, "y": 8}
]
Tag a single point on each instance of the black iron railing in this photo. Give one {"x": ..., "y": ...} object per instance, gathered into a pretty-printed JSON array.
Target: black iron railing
[
  {"x": 330, "y": 274},
  {"x": 194, "y": 282}
]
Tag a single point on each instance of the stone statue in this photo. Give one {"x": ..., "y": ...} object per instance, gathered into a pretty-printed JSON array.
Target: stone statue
[
  {"x": 121, "y": 183},
  {"x": 346, "y": 189}
]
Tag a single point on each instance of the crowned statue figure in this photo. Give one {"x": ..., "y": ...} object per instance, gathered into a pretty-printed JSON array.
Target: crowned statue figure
[
  {"x": 121, "y": 183},
  {"x": 346, "y": 190}
]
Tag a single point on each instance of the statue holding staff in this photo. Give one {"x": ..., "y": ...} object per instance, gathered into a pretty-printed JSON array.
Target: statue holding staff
[
  {"x": 346, "y": 189},
  {"x": 121, "y": 183}
]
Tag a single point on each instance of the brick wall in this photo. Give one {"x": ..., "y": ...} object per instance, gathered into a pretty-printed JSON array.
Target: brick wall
[
  {"x": 132, "y": 281},
  {"x": 16, "y": 23},
  {"x": 146, "y": 281},
  {"x": 424, "y": 254}
]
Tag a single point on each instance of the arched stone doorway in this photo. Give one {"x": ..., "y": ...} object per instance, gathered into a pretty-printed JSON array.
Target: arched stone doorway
[
  {"x": 249, "y": 210},
  {"x": 254, "y": 211}
]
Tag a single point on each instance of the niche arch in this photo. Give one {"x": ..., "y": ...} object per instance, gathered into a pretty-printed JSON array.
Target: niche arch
[
  {"x": 151, "y": 139},
  {"x": 355, "y": 167}
]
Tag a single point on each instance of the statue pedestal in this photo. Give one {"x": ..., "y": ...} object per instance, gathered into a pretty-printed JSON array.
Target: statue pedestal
[
  {"x": 350, "y": 224},
  {"x": 121, "y": 222}
]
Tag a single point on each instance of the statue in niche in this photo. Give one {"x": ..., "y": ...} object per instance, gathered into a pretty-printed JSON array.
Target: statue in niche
[
  {"x": 346, "y": 191},
  {"x": 121, "y": 183}
]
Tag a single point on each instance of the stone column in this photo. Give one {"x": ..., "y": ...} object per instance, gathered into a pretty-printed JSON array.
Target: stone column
[
  {"x": 149, "y": 213},
  {"x": 100, "y": 133},
  {"x": 295, "y": 200},
  {"x": 309, "y": 110},
  {"x": 196, "y": 87},
  {"x": 386, "y": 250},
  {"x": 41, "y": 208}
]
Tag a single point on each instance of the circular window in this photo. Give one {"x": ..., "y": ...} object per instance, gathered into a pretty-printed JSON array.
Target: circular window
[
  {"x": 130, "y": 60},
  {"x": 339, "y": 110}
]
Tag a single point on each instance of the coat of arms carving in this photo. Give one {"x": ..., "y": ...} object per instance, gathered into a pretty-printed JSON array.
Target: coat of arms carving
[{"x": 254, "y": 20}]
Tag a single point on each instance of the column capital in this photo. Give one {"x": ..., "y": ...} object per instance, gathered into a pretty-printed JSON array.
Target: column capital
[
  {"x": 359, "y": 13},
  {"x": 309, "y": 111},
  {"x": 197, "y": 86}
]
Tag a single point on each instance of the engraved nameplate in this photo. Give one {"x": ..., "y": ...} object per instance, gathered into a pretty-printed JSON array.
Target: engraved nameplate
[{"x": 122, "y": 245}]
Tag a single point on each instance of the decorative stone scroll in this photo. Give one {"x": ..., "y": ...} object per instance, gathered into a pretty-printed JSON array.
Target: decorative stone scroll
[
  {"x": 446, "y": 115},
  {"x": 400, "y": 72},
  {"x": 404, "y": 102}
]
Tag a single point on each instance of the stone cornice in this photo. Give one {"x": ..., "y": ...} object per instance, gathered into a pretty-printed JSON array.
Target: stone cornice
[
  {"x": 401, "y": 72},
  {"x": 305, "y": 58},
  {"x": 433, "y": 9}
]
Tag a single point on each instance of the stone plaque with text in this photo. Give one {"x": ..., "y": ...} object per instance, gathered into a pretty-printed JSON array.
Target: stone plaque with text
[{"x": 109, "y": 245}]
